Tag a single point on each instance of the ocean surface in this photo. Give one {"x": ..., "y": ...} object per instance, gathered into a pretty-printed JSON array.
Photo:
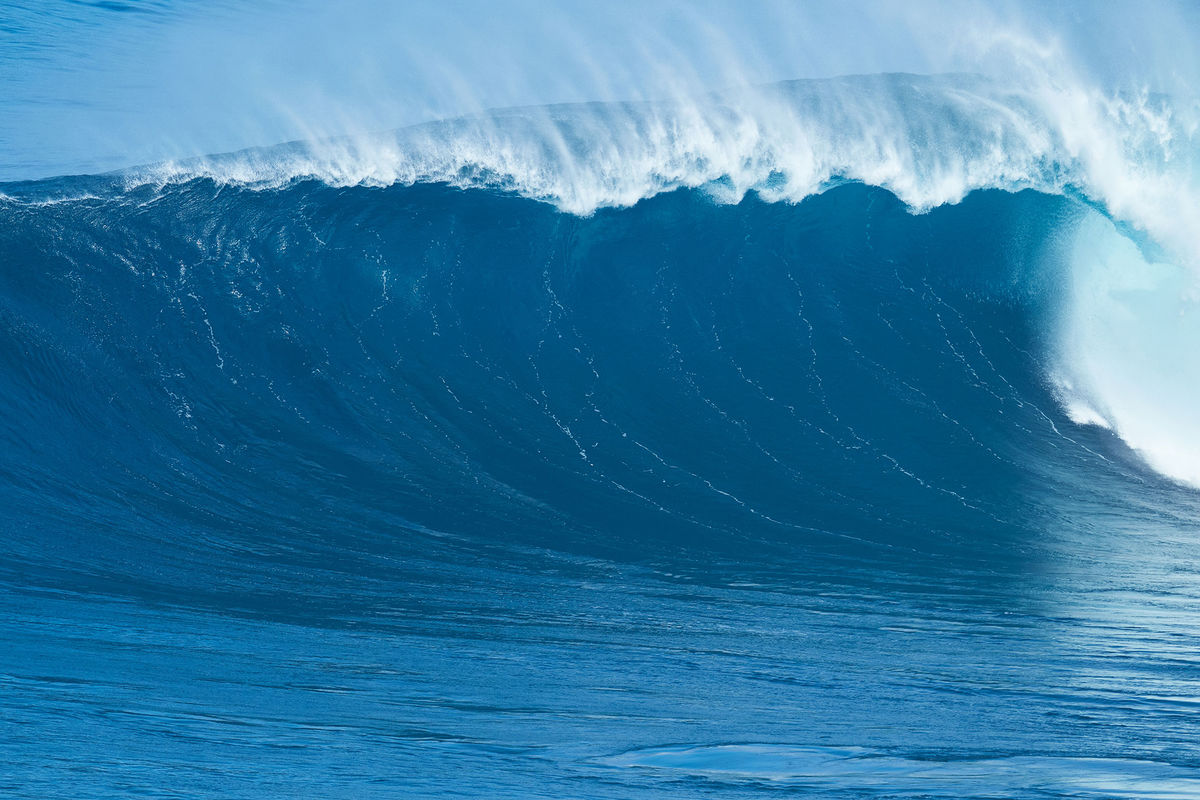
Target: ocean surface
[{"x": 829, "y": 438}]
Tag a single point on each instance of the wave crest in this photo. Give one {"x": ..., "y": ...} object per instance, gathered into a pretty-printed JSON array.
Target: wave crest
[{"x": 928, "y": 140}]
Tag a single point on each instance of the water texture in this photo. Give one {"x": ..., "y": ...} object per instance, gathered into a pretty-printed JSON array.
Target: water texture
[{"x": 828, "y": 438}]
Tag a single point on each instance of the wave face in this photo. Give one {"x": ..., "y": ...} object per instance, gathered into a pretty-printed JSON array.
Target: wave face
[
  {"x": 636, "y": 459},
  {"x": 927, "y": 140}
]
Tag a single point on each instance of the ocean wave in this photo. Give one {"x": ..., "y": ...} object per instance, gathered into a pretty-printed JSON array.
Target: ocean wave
[
  {"x": 833, "y": 437},
  {"x": 929, "y": 141}
]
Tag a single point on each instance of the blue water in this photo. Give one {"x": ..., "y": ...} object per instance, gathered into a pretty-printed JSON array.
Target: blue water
[
  {"x": 609, "y": 451},
  {"x": 358, "y": 492}
]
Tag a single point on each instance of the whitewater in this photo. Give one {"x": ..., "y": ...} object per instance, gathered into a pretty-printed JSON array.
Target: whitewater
[{"x": 828, "y": 436}]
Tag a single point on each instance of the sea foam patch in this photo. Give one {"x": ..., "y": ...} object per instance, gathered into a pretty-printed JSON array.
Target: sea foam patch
[{"x": 868, "y": 770}]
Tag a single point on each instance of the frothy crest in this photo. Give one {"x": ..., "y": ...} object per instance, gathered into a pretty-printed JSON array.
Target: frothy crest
[{"x": 929, "y": 140}]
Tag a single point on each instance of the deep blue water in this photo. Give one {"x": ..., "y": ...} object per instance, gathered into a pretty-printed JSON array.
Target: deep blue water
[
  {"x": 590, "y": 401},
  {"x": 420, "y": 491}
]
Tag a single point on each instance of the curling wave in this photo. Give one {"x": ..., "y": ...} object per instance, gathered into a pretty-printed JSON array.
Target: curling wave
[
  {"x": 929, "y": 141},
  {"x": 837, "y": 373}
]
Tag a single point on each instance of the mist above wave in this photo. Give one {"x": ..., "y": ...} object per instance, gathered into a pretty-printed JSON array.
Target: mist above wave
[{"x": 929, "y": 140}]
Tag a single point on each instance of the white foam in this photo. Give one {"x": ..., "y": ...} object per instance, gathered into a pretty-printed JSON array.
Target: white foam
[
  {"x": 1076, "y": 403},
  {"x": 1127, "y": 338},
  {"x": 929, "y": 140}
]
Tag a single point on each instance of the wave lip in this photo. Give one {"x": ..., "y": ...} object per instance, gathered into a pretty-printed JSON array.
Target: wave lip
[
  {"x": 929, "y": 140},
  {"x": 1127, "y": 330}
]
